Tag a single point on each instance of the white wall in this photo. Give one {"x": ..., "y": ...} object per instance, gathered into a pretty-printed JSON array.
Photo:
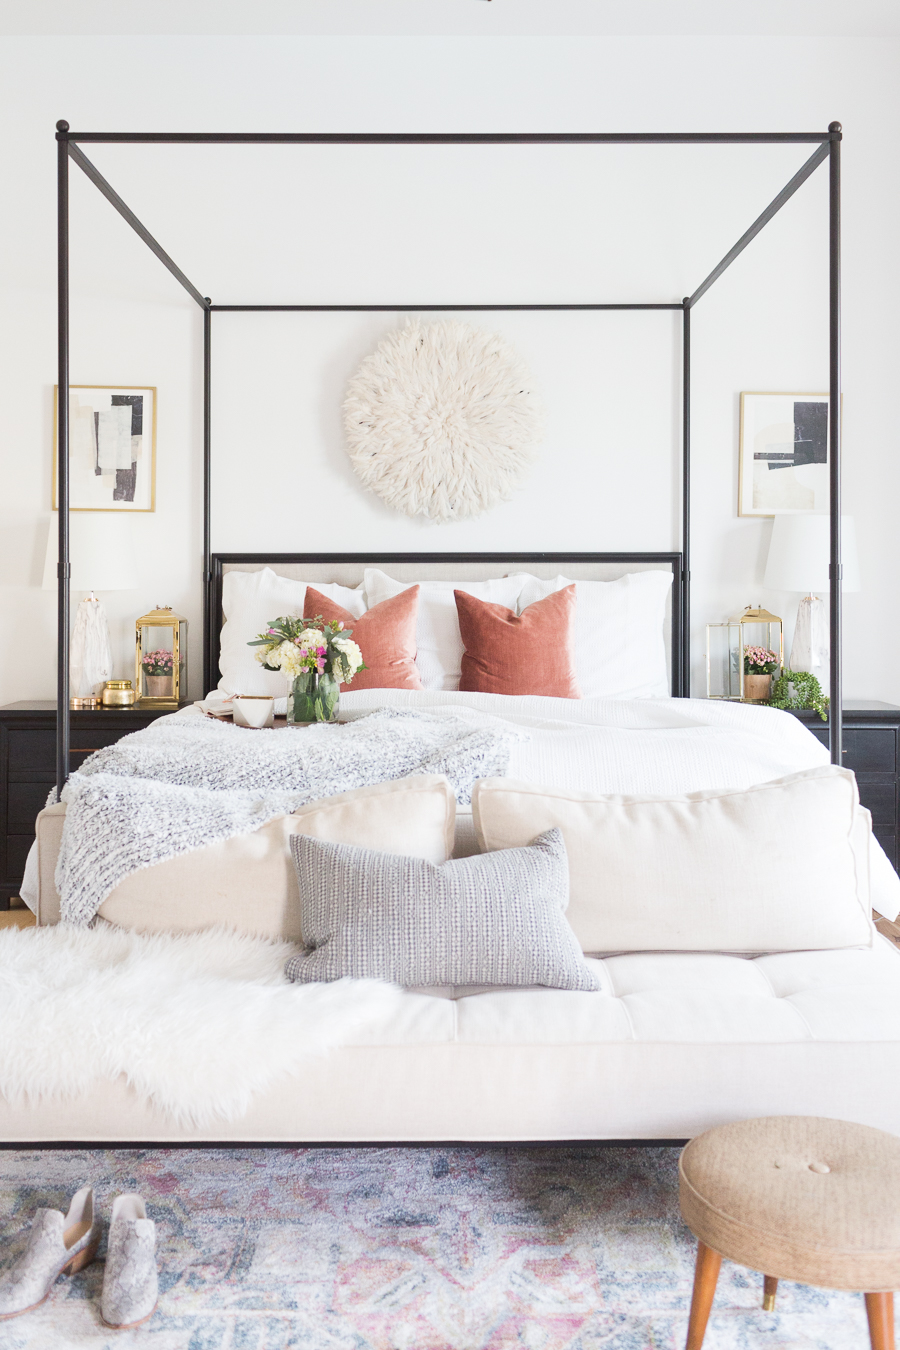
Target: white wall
[{"x": 643, "y": 226}]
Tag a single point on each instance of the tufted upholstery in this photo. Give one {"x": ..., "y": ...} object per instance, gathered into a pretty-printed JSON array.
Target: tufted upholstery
[{"x": 671, "y": 1045}]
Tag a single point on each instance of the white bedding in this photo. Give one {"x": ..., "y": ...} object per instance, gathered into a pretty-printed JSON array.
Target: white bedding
[{"x": 635, "y": 746}]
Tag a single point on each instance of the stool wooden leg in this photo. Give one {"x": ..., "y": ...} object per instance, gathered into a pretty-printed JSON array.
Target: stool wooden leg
[
  {"x": 770, "y": 1289},
  {"x": 880, "y": 1310},
  {"x": 706, "y": 1274}
]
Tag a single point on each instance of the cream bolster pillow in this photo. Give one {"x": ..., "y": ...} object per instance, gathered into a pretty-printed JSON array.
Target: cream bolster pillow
[
  {"x": 781, "y": 866},
  {"x": 249, "y": 882}
]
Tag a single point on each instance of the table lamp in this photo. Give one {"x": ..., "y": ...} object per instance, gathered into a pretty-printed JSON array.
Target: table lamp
[
  {"x": 101, "y": 552},
  {"x": 799, "y": 554}
]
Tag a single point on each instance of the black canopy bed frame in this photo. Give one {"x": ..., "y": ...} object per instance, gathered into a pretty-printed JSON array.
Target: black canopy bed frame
[{"x": 828, "y": 147}]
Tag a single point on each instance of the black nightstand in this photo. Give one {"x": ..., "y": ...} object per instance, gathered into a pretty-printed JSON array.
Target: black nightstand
[
  {"x": 871, "y": 749},
  {"x": 28, "y": 769}
]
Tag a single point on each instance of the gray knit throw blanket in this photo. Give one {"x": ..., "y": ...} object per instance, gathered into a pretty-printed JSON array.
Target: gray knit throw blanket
[{"x": 181, "y": 784}]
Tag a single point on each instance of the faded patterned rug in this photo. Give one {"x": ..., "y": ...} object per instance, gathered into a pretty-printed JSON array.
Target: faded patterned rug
[{"x": 406, "y": 1249}]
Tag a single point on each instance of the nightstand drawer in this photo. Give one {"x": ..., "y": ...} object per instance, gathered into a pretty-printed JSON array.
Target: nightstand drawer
[
  {"x": 866, "y": 750},
  {"x": 31, "y": 753},
  {"x": 881, "y": 800},
  {"x": 23, "y": 803}
]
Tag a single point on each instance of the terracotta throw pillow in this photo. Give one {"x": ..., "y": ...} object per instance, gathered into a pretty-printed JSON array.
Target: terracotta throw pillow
[
  {"x": 386, "y": 636},
  {"x": 529, "y": 653}
]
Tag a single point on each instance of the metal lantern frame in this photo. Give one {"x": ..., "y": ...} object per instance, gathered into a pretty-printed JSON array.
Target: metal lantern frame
[
  {"x": 162, "y": 618},
  {"x": 827, "y": 148},
  {"x": 736, "y": 648}
]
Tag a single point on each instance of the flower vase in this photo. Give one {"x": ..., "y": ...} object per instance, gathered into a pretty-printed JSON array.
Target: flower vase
[
  {"x": 313, "y": 698},
  {"x": 757, "y": 688}
]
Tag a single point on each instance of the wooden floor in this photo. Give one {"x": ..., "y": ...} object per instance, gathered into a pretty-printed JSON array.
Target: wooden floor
[{"x": 18, "y": 917}]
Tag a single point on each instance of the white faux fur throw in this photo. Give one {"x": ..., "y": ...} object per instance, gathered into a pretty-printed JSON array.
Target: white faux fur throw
[
  {"x": 183, "y": 783},
  {"x": 198, "y": 1023}
]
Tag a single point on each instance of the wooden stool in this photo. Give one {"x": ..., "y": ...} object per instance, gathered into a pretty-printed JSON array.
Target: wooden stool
[{"x": 817, "y": 1201}]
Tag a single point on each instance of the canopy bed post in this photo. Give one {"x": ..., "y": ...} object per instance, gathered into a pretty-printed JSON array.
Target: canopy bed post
[
  {"x": 835, "y": 721},
  {"x": 63, "y": 569},
  {"x": 686, "y": 500},
  {"x": 207, "y": 489}
]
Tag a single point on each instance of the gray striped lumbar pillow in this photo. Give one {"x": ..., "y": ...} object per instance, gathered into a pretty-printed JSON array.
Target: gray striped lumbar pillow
[{"x": 497, "y": 918}]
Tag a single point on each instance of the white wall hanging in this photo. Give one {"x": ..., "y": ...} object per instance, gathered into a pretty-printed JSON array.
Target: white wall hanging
[{"x": 441, "y": 420}]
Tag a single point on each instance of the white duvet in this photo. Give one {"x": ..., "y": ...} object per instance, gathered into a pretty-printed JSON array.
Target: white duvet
[{"x": 660, "y": 746}]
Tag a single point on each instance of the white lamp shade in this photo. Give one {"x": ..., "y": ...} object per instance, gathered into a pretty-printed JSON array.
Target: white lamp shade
[
  {"x": 101, "y": 552},
  {"x": 799, "y": 554}
]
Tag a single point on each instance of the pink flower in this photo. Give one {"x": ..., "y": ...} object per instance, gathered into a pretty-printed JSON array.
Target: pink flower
[
  {"x": 320, "y": 651},
  {"x": 340, "y": 626}
]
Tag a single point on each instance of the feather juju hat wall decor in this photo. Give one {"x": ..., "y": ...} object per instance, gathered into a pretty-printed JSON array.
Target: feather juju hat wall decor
[{"x": 441, "y": 420}]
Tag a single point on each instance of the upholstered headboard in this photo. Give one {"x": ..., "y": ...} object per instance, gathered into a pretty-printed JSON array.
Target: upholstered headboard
[{"x": 348, "y": 568}]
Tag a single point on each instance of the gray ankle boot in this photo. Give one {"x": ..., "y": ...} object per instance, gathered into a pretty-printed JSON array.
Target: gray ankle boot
[
  {"x": 56, "y": 1243},
  {"x": 130, "y": 1282}
]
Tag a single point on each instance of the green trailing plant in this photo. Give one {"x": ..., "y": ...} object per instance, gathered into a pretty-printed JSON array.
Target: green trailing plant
[{"x": 799, "y": 689}]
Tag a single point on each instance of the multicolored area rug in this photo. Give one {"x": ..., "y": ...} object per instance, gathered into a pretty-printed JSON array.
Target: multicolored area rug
[{"x": 406, "y": 1249}]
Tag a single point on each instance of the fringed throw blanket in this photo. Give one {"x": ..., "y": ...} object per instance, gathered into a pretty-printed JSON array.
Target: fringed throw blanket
[{"x": 181, "y": 784}]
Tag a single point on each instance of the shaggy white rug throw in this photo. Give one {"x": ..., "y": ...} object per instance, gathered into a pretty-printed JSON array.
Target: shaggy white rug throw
[
  {"x": 441, "y": 420},
  {"x": 198, "y": 1024}
]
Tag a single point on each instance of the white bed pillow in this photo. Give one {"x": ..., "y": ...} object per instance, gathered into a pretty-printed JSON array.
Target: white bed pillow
[
  {"x": 780, "y": 866},
  {"x": 440, "y": 647},
  {"x": 620, "y": 647},
  {"x": 249, "y": 601}
]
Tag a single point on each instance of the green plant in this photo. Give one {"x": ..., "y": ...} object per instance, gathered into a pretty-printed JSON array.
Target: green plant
[{"x": 799, "y": 689}]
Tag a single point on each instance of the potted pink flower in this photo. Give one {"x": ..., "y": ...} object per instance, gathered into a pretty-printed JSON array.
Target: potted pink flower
[
  {"x": 759, "y": 666},
  {"x": 158, "y": 667}
]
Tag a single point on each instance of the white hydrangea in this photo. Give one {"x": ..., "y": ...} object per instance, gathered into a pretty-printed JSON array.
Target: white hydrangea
[
  {"x": 268, "y": 656},
  {"x": 351, "y": 656},
  {"x": 311, "y": 637},
  {"x": 292, "y": 663}
]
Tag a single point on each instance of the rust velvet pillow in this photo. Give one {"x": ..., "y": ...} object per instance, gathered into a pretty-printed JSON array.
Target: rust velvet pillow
[
  {"x": 386, "y": 636},
  {"x": 529, "y": 653}
]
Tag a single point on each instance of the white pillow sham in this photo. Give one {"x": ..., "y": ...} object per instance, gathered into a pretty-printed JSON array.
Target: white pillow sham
[
  {"x": 440, "y": 647},
  {"x": 620, "y": 648},
  {"x": 249, "y": 601},
  {"x": 780, "y": 866}
]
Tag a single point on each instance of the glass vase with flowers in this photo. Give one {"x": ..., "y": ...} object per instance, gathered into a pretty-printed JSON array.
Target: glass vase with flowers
[{"x": 316, "y": 657}]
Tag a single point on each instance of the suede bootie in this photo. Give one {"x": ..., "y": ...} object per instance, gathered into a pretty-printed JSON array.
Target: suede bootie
[
  {"x": 57, "y": 1243},
  {"x": 130, "y": 1280}
]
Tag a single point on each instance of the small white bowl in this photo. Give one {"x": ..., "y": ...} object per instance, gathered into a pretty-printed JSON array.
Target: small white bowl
[{"x": 253, "y": 710}]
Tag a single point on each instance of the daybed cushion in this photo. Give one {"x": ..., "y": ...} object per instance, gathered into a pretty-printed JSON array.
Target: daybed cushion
[
  {"x": 669, "y": 1046},
  {"x": 249, "y": 882},
  {"x": 496, "y": 919},
  {"x": 777, "y": 867}
]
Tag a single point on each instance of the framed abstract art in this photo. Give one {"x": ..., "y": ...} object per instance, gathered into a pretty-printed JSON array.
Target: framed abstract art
[
  {"x": 784, "y": 454},
  {"x": 112, "y": 447}
]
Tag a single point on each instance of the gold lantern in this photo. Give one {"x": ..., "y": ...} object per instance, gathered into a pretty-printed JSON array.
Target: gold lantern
[
  {"x": 732, "y": 672},
  {"x": 160, "y": 659}
]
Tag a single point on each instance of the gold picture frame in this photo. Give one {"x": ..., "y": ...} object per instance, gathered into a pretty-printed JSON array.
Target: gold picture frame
[{"x": 111, "y": 467}]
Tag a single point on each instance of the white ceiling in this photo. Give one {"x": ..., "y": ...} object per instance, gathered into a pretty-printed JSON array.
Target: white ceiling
[{"x": 477, "y": 18}]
